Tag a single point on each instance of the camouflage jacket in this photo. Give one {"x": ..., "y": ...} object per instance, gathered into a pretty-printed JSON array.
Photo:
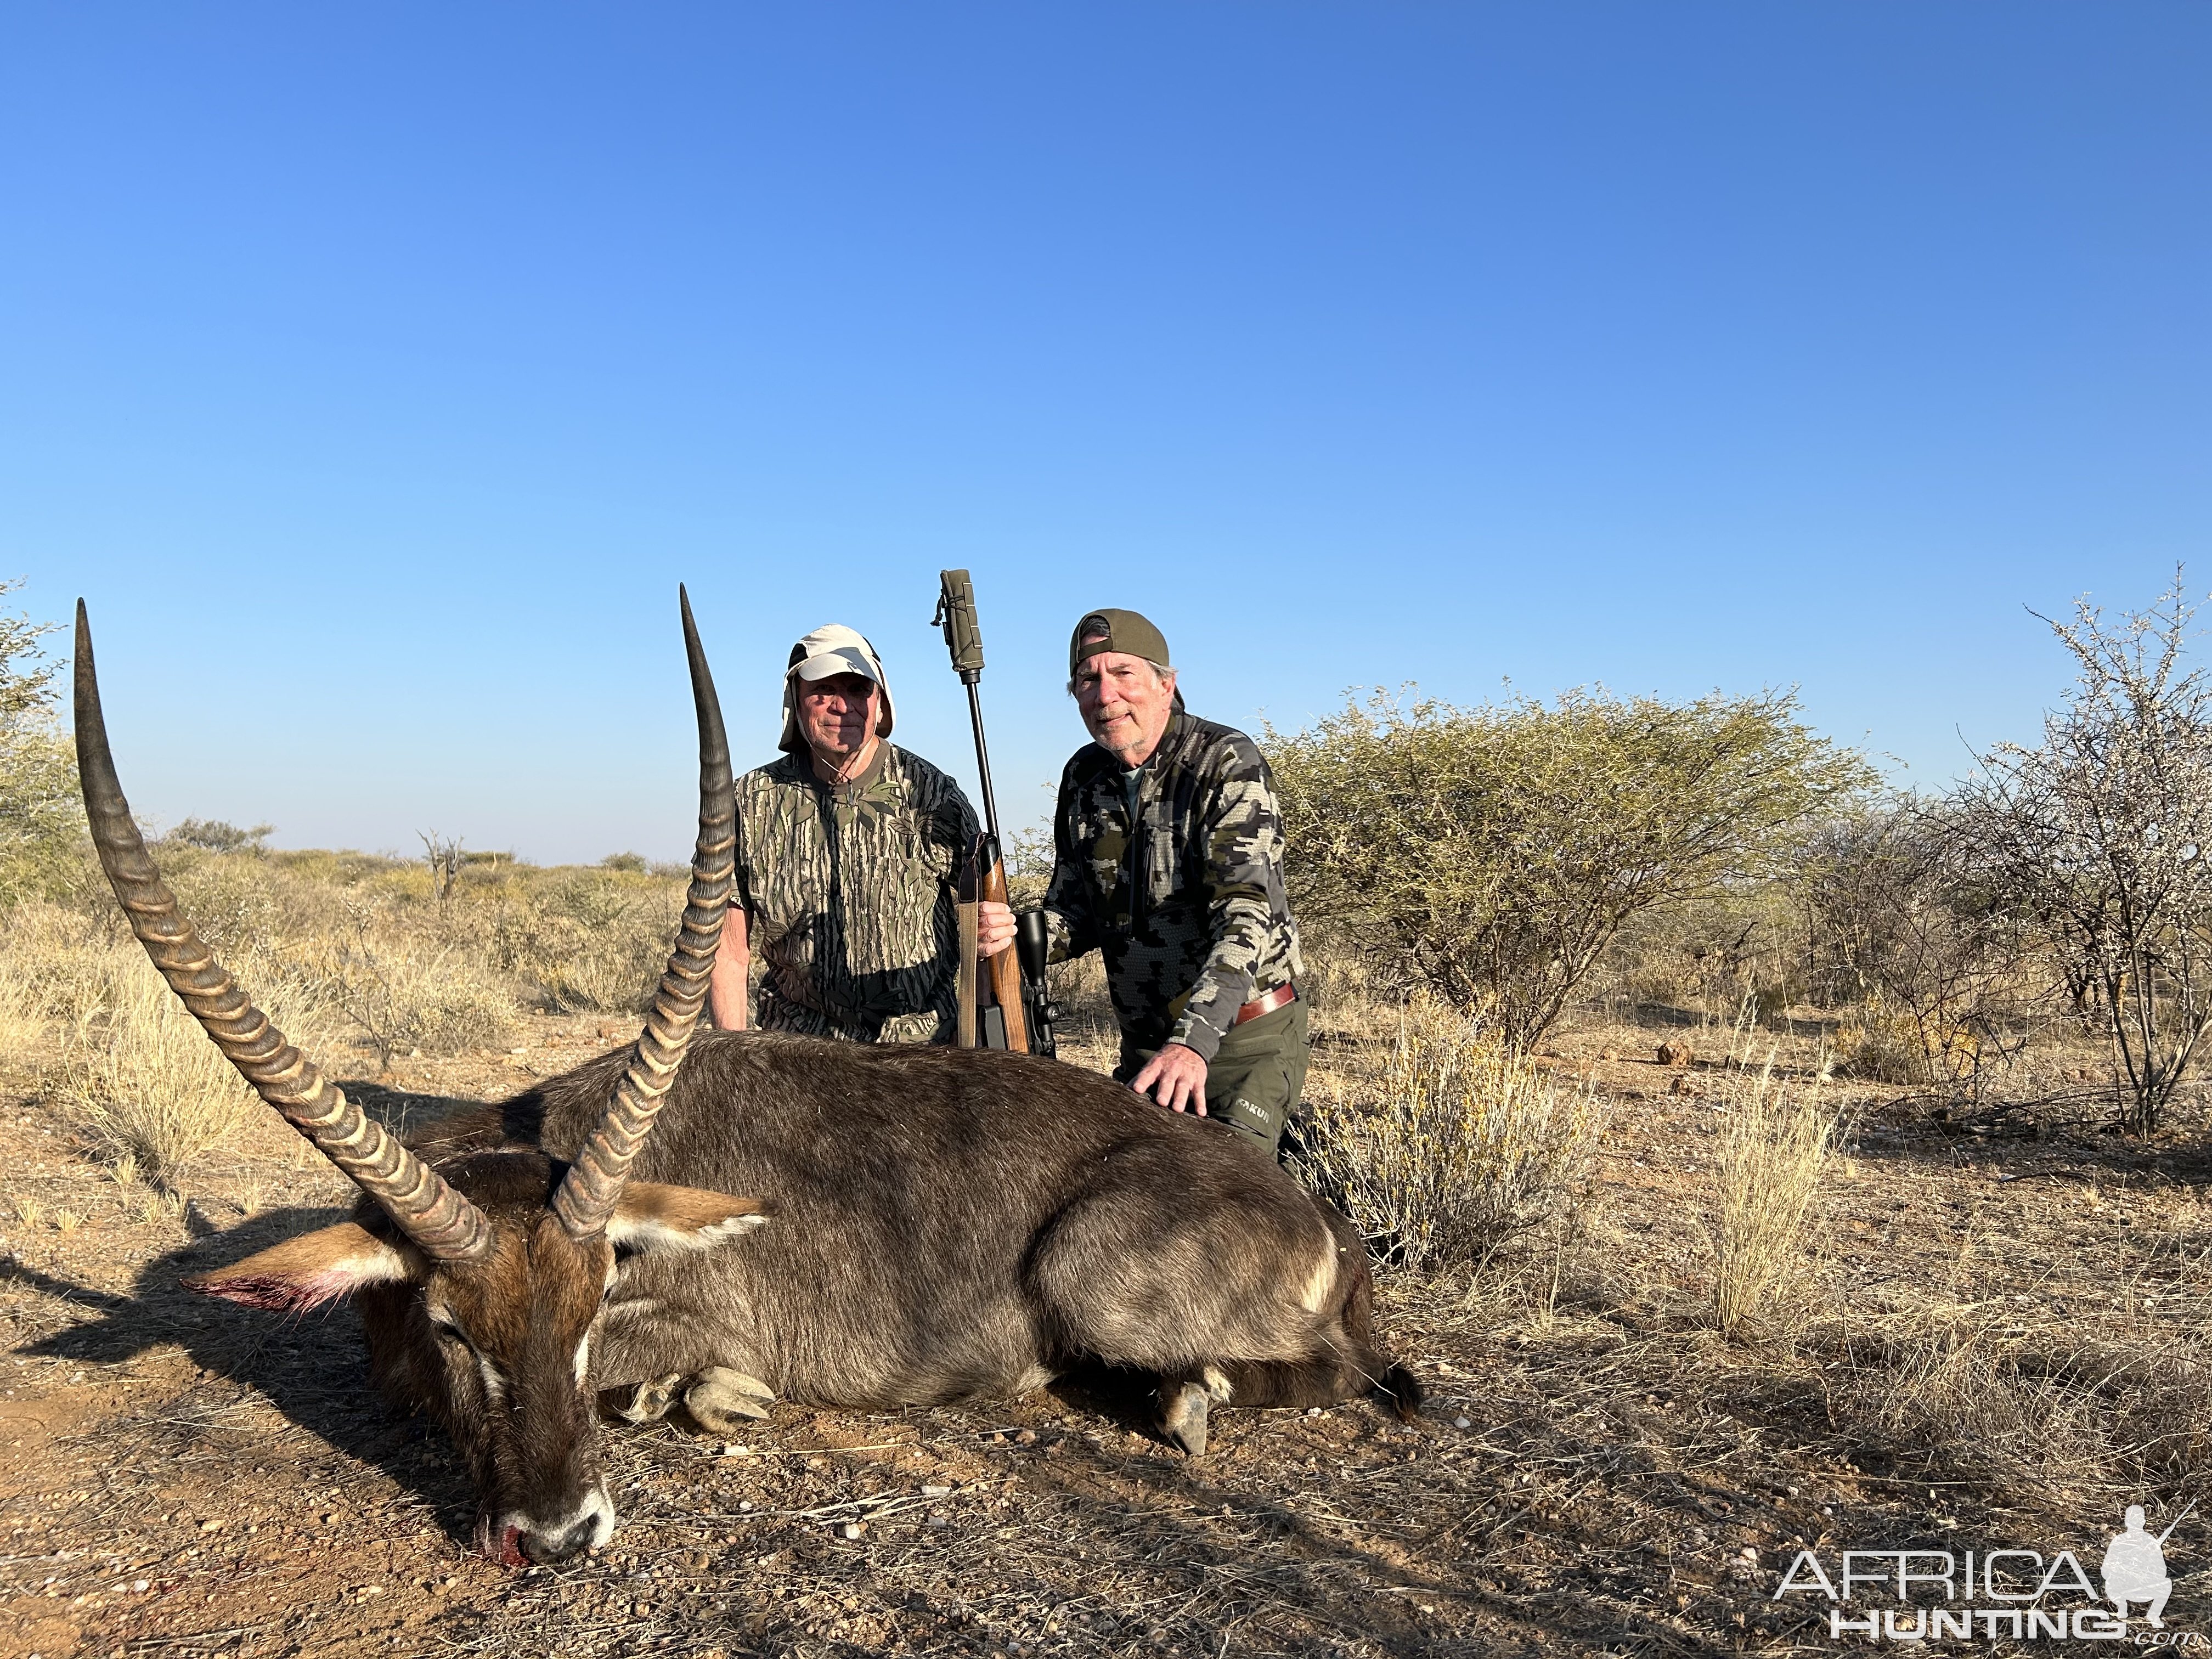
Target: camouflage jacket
[
  {"x": 850, "y": 894},
  {"x": 1184, "y": 895}
]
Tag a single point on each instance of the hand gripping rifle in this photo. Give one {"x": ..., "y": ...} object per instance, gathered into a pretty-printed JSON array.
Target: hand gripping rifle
[{"x": 994, "y": 996}]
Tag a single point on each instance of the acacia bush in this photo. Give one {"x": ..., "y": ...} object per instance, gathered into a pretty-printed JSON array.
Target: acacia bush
[
  {"x": 1731, "y": 956},
  {"x": 40, "y": 820},
  {"x": 2101, "y": 836},
  {"x": 1495, "y": 852},
  {"x": 214, "y": 836},
  {"x": 1948, "y": 976}
]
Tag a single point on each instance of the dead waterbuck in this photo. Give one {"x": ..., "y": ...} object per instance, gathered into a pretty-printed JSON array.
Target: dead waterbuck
[{"x": 919, "y": 1224}]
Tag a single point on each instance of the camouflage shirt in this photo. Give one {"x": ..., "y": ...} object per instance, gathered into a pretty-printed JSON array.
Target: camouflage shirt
[
  {"x": 1175, "y": 872},
  {"x": 850, "y": 894}
]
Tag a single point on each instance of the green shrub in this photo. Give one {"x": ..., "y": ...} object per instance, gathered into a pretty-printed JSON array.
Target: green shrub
[
  {"x": 213, "y": 835},
  {"x": 1496, "y": 852}
]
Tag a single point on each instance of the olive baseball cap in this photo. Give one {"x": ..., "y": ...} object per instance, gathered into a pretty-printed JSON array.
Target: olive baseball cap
[
  {"x": 834, "y": 649},
  {"x": 1116, "y": 630}
]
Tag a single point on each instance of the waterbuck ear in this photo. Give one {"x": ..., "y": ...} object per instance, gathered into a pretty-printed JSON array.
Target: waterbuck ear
[
  {"x": 650, "y": 1216},
  {"x": 310, "y": 1270}
]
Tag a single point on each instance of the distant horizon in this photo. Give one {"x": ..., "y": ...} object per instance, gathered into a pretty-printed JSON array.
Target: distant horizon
[
  {"x": 376, "y": 375},
  {"x": 677, "y": 860}
]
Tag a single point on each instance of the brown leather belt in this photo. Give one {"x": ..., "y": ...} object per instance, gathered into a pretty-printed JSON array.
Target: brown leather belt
[{"x": 1282, "y": 997}]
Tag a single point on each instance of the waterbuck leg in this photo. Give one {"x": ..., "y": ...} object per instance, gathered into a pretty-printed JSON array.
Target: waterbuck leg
[
  {"x": 720, "y": 1400},
  {"x": 649, "y": 1401},
  {"x": 1185, "y": 1401}
]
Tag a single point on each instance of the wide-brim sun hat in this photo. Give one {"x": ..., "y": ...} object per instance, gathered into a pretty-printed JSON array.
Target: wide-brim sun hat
[{"x": 831, "y": 649}]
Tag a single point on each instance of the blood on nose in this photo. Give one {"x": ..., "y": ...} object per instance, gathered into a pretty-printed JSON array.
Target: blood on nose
[{"x": 500, "y": 1544}]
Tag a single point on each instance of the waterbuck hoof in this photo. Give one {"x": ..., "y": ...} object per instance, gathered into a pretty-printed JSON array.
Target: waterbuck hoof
[
  {"x": 719, "y": 1399},
  {"x": 648, "y": 1402},
  {"x": 1183, "y": 1419}
]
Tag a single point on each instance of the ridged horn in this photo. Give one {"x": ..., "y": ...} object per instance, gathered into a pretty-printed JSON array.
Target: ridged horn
[
  {"x": 441, "y": 1222},
  {"x": 594, "y": 1182}
]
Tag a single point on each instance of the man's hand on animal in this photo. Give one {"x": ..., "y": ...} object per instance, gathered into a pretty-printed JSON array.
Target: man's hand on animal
[
  {"x": 994, "y": 928},
  {"x": 1174, "y": 1076}
]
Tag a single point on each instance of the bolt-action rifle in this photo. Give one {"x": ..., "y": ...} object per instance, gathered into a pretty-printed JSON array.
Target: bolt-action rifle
[{"x": 1003, "y": 1003}]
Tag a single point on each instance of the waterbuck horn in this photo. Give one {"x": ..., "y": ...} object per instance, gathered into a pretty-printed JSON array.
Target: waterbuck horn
[
  {"x": 594, "y": 1181},
  {"x": 438, "y": 1220}
]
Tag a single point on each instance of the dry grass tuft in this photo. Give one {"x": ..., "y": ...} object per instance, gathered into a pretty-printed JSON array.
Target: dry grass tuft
[
  {"x": 141, "y": 1078},
  {"x": 2027, "y": 1405},
  {"x": 23, "y": 1010},
  {"x": 116, "y": 1051},
  {"x": 411, "y": 995},
  {"x": 1966, "y": 1389},
  {"x": 1774, "y": 1147},
  {"x": 1881, "y": 1050},
  {"x": 1462, "y": 1148},
  {"x": 44, "y": 953},
  {"x": 592, "y": 941},
  {"x": 30, "y": 1212}
]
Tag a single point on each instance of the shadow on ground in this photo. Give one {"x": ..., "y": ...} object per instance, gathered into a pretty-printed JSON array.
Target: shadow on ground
[{"x": 313, "y": 1368}]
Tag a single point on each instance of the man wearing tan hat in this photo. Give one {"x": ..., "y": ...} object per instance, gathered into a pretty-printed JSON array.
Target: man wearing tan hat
[
  {"x": 1169, "y": 858},
  {"x": 848, "y": 855}
]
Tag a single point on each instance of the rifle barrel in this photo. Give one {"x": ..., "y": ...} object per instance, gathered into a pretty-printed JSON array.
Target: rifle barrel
[
  {"x": 2176, "y": 1522},
  {"x": 982, "y": 761}
]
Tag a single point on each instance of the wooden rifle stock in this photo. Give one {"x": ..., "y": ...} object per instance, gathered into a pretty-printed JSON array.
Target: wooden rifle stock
[
  {"x": 1006, "y": 967},
  {"x": 991, "y": 1015},
  {"x": 968, "y": 1017}
]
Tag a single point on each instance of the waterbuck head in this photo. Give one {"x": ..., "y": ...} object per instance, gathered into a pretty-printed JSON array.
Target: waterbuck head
[
  {"x": 499, "y": 1346},
  {"x": 482, "y": 1283}
]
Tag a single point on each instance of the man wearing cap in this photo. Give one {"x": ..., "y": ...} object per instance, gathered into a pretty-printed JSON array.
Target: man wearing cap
[
  {"x": 1169, "y": 858},
  {"x": 848, "y": 853}
]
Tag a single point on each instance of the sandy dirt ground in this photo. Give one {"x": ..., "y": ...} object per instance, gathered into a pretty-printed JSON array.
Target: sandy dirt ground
[{"x": 1595, "y": 1471}]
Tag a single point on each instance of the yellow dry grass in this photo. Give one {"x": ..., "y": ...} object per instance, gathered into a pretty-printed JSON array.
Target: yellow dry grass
[
  {"x": 1775, "y": 1140},
  {"x": 39, "y": 946},
  {"x": 1453, "y": 1147},
  {"x": 406, "y": 993},
  {"x": 343, "y": 952},
  {"x": 141, "y": 1078}
]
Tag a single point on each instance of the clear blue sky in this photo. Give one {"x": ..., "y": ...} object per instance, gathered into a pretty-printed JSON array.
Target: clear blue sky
[{"x": 376, "y": 372}]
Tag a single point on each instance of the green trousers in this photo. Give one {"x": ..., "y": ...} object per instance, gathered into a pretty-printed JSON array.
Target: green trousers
[{"x": 1254, "y": 1080}]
